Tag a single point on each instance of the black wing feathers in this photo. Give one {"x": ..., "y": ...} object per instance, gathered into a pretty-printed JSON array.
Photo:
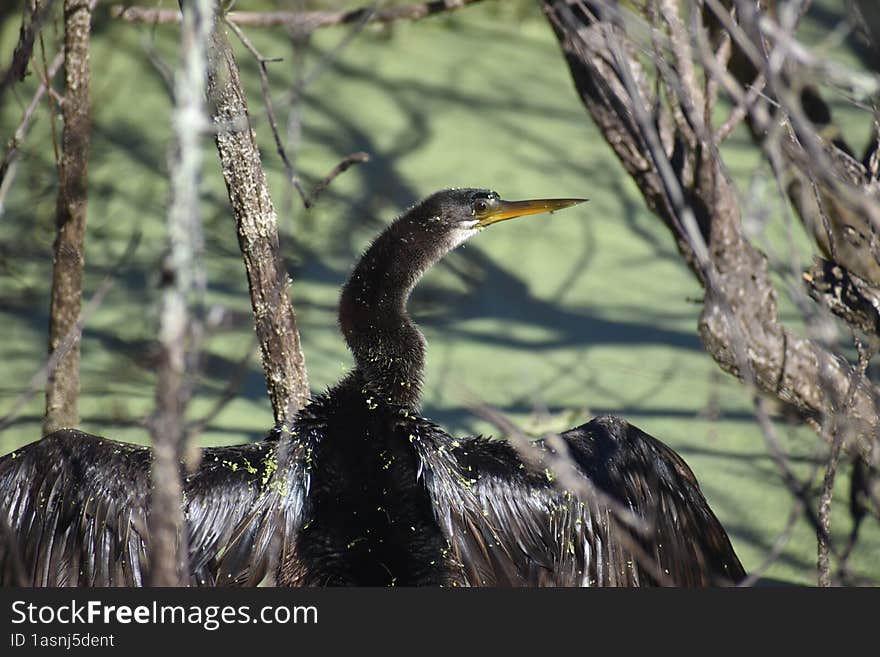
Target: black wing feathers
[
  {"x": 509, "y": 526},
  {"x": 75, "y": 512}
]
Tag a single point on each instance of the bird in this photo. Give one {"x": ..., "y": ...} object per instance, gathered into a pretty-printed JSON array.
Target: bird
[
  {"x": 359, "y": 489},
  {"x": 480, "y": 514}
]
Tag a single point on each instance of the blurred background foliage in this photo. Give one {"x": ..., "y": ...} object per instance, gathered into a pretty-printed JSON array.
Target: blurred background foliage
[{"x": 551, "y": 319}]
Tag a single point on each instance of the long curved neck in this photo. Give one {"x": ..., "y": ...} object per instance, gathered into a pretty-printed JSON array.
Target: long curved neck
[{"x": 388, "y": 348}]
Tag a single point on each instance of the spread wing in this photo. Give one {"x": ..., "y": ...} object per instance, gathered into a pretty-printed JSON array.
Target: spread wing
[
  {"x": 686, "y": 540},
  {"x": 74, "y": 512},
  {"x": 503, "y": 523},
  {"x": 259, "y": 546},
  {"x": 507, "y": 525}
]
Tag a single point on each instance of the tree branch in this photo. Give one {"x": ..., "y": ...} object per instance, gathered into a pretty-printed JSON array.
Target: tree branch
[
  {"x": 18, "y": 137},
  {"x": 739, "y": 324},
  {"x": 256, "y": 224},
  {"x": 182, "y": 287},
  {"x": 344, "y": 165},
  {"x": 838, "y": 436},
  {"x": 302, "y": 21},
  {"x": 32, "y": 21},
  {"x": 308, "y": 199},
  {"x": 62, "y": 391}
]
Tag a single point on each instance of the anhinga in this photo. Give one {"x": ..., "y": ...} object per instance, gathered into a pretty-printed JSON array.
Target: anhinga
[
  {"x": 359, "y": 489},
  {"x": 479, "y": 515}
]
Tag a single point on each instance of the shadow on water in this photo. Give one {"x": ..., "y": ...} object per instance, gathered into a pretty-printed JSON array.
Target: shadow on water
[
  {"x": 488, "y": 289},
  {"x": 457, "y": 420},
  {"x": 506, "y": 297}
]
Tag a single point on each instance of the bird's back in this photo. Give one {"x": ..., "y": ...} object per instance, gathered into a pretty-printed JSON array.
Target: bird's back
[{"x": 368, "y": 518}]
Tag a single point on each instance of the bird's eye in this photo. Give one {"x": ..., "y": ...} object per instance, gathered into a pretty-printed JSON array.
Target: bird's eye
[{"x": 480, "y": 206}]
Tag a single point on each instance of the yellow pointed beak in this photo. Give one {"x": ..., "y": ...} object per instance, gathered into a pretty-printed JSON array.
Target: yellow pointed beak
[{"x": 503, "y": 210}]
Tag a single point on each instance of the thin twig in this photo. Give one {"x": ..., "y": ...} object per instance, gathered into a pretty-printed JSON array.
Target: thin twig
[
  {"x": 741, "y": 109},
  {"x": 267, "y": 101},
  {"x": 299, "y": 48},
  {"x": 689, "y": 91},
  {"x": 357, "y": 27},
  {"x": 51, "y": 97},
  {"x": 863, "y": 85},
  {"x": 798, "y": 489},
  {"x": 166, "y": 75},
  {"x": 305, "y": 78},
  {"x": 805, "y": 149},
  {"x": 347, "y": 162},
  {"x": 654, "y": 147},
  {"x": 18, "y": 137},
  {"x": 722, "y": 56},
  {"x": 308, "y": 199},
  {"x": 778, "y": 546}
]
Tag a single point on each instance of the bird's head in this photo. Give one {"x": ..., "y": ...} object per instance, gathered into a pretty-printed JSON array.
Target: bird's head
[
  {"x": 452, "y": 216},
  {"x": 458, "y": 214}
]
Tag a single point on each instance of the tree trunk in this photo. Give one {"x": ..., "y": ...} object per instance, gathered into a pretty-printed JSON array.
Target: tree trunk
[{"x": 62, "y": 392}]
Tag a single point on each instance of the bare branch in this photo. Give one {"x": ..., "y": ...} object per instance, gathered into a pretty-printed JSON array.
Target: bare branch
[
  {"x": 347, "y": 162},
  {"x": 861, "y": 85},
  {"x": 62, "y": 390},
  {"x": 182, "y": 287},
  {"x": 302, "y": 21},
  {"x": 739, "y": 316},
  {"x": 267, "y": 101},
  {"x": 256, "y": 223},
  {"x": 18, "y": 137},
  {"x": 694, "y": 101},
  {"x": 798, "y": 489},
  {"x": 33, "y": 17},
  {"x": 838, "y": 434},
  {"x": 50, "y": 91},
  {"x": 778, "y": 546},
  {"x": 344, "y": 165}
]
